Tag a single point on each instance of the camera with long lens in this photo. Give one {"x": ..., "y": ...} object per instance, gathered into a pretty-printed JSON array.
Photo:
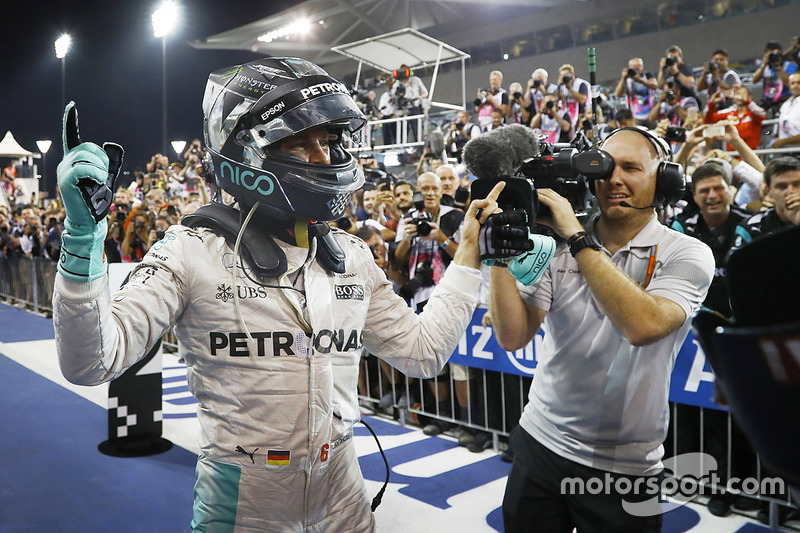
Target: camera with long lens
[
  {"x": 632, "y": 72},
  {"x": 566, "y": 79},
  {"x": 567, "y": 169},
  {"x": 421, "y": 218},
  {"x": 669, "y": 61},
  {"x": 775, "y": 57},
  {"x": 713, "y": 66},
  {"x": 537, "y": 84},
  {"x": 423, "y": 277},
  {"x": 399, "y": 98}
]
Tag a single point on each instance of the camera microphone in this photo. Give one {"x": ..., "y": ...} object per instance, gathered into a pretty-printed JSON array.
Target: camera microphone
[{"x": 500, "y": 152}]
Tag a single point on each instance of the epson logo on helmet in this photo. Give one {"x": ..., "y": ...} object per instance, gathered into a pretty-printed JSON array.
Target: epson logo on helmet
[
  {"x": 247, "y": 178},
  {"x": 280, "y": 106},
  {"x": 324, "y": 88}
]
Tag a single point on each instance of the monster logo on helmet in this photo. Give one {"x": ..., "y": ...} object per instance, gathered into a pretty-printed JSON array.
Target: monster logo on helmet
[{"x": 250, "y": 109}]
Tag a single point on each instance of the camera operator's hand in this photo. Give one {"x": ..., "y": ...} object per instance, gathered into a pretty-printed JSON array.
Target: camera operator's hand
[
  {"x": 717, "y": 97},
  {"x": 86, "y": 178},
  {"x": 563, "y": 221}
]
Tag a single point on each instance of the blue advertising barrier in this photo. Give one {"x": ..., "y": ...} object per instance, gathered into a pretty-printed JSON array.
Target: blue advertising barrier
[{"x": 692, "y": 379}]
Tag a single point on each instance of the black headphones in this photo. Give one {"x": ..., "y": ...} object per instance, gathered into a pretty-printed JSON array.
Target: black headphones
[{"x": 670, "y": 180}]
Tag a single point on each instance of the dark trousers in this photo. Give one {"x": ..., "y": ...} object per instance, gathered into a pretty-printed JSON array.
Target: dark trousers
[{"x": 534, "y": 500}]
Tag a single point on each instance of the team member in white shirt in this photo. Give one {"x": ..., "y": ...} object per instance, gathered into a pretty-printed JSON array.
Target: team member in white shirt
[{"x": 616, "y": 304}]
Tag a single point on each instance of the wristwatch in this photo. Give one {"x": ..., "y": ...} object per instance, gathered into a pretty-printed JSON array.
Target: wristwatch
[
  {"x": 445, "y": 244},
  {"x": 581, "y": 240}
]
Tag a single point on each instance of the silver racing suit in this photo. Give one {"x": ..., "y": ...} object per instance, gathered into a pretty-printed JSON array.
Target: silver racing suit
[{"x": 276, "y": 411}]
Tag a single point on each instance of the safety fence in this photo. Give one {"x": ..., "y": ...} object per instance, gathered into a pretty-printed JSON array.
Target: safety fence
[
  {"x": 484, "y": 389},
  {"x": 27, "y": 282}
]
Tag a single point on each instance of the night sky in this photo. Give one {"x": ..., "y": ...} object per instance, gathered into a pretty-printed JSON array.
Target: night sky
[{"x": 113, "y": 70}]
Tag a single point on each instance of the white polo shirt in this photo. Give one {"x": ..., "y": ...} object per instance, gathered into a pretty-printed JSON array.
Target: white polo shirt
[
  {"x": 596, "y": 399},
  {"x": 789, "y": 118}
]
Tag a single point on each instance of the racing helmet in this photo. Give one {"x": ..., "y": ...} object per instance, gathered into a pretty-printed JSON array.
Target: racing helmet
[{"x": 250, "y": 109}]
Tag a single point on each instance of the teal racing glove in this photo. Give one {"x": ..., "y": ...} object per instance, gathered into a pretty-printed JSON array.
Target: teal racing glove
[
  {"x": 86, "y": 179},
  {"x": 528, "y": 267}
]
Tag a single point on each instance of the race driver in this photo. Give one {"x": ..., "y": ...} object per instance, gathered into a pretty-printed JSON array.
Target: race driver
[{"x": 271, "y": 306}]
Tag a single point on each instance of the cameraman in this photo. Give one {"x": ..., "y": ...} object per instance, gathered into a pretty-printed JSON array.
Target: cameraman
[
  {"x": 672, "y": 67},
  {"x": 196, "y": 149},
  {"x": 616, "y": 302},
  {"x": 116, "y": 230},
  {"x": 461, "y": 131},
  {"x": 673, "y": 105},
  {"x": 52, "y": 238},
  {"x": 386, "y": 110},
  {"x": 428, "y": 235},
  {"x": 515, "y": 104},
  {"x": 575, "y": 96},
  {"x": 495, "y": 97},
  {"x": 409, "y": 93},
  {"x": 775, "y": 71},
  {"x": 32, "y": 240},
  {"x": 555, "y": 124},
  {"x": 137, "y": 236},
  {"x": 717, "y": 76},
  {"x": 537, "y": 88},
  {"x": 639, "y": 88},
  {"x": 190, "y": 174}
]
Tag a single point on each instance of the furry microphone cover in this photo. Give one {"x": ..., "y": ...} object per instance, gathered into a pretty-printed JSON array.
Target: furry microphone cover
[{"x": 500, "y": 152}]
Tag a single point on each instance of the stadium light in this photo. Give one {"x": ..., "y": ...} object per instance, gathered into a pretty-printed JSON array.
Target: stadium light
[
  {"x": 62, "y": 47},
  {"x": 164, "y": 20},
  {"x": 299, "y": 27},
  {"x": 178, "y": 146}
]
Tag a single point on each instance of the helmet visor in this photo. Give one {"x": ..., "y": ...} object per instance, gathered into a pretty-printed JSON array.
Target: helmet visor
[{"x": 328, "y": 110}]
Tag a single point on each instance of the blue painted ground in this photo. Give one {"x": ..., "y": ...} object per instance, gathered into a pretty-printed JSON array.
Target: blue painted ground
[{"x": 53, "y": 478}]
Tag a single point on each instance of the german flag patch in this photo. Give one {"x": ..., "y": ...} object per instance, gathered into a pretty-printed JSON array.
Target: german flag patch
[{"x": 278, "y": 457}]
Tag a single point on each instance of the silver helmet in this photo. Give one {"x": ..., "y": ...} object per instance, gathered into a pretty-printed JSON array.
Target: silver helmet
[{"x": 250, "y": 109}]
